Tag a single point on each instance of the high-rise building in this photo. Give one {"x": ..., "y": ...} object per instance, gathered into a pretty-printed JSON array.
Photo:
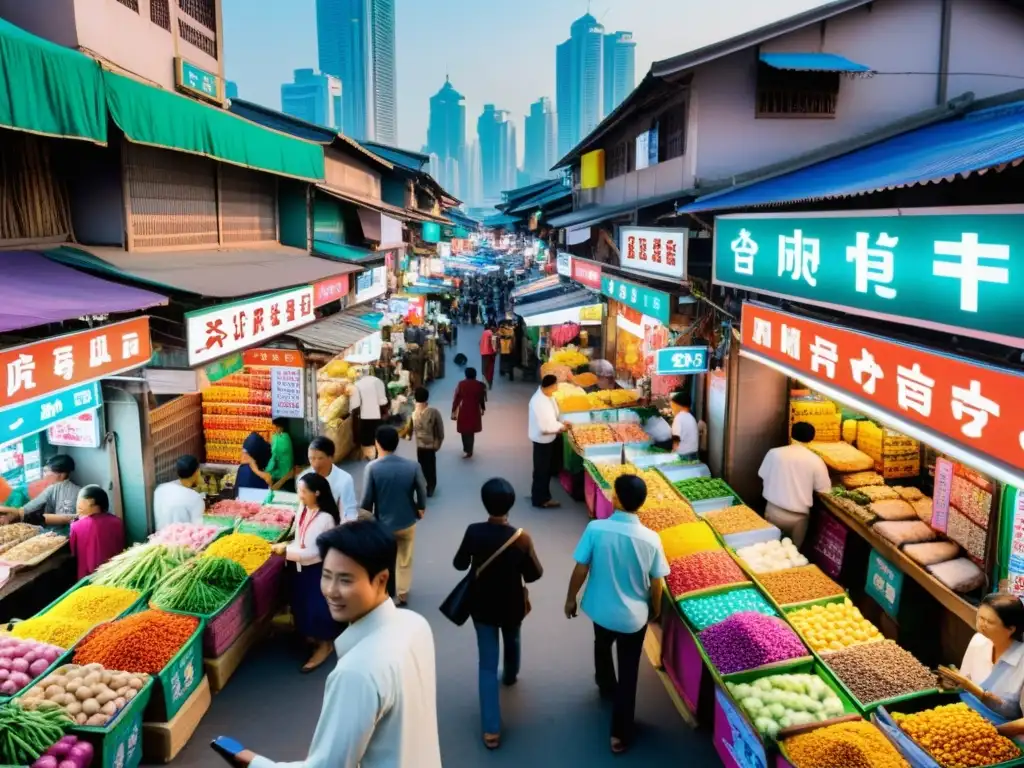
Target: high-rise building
[
  {"x": 619, "y": 69},
  {"x": 356, "y": 41},
  {"x": 446, "y": 133},
  {"x": 579, "y": 70},
  {"x": 470, "y": 172},
  {"x": 540, "y": 141},
  {"x": 497, "y": 136},
  {"x": 313, "y": 98}
]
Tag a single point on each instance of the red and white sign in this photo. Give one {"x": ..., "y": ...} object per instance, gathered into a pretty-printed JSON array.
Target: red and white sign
[
  {"x": 970, "y": 404},
  {"x": 331, "y": 289},
  {"x": 587, "y": 273},
  {"x": 218, "y": 331},
  {"x": 660, "y": 251},
  {"x": 44, "y": 367},
  {"x": 81, "y": 431},
  {"x": 273, "y": 358}
]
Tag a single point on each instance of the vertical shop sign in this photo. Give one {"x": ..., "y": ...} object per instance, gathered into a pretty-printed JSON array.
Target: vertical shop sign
[
  {"x": 660, "y": 251},
  {"x": 941, "y": 494},
  {"x": 830, "y": 545},
  {"x": 884, "y": 583},
  {"x": 647, "y": 301},
  {"x": 286, "y": 393},
  {"x": 1015, "y": 566},
  {"x": 735, "y": 737},
  {"x": 681, "y": 361},
  {"x": 81, "y": 431}
]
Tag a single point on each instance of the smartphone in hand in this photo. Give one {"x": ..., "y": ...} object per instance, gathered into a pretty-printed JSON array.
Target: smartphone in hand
[{"x": 227, "y": 748}]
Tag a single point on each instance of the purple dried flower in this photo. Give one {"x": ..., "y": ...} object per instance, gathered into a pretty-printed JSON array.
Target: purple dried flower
[{"x": 747, "y": 640}]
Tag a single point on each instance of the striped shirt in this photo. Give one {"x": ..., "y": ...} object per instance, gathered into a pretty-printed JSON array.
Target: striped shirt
[{"x": 58, "y": 499}]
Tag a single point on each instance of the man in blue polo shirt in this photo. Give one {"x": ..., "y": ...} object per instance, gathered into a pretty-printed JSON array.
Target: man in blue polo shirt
[{"x": 625, "y": 563}]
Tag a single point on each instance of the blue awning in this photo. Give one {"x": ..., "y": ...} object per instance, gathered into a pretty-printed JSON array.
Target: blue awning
[
  {"x": 501, "y": 221},
  {"x": 977, "y": 141},
  {"x": 812, "y": 62}
]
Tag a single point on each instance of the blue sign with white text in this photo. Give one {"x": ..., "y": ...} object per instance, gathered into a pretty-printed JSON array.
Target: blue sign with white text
[
  {"x": 24, "y": 419},
  {"x": 679, "y": 361}
]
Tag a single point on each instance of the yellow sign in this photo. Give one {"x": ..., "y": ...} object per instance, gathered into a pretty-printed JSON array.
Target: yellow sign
[
  {"x": 591, "y": 313},
  {"x": 592, "y": 170}
]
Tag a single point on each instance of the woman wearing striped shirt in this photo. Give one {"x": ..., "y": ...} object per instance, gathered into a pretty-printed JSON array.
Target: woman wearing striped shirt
[{"x": 54, "y": 506}]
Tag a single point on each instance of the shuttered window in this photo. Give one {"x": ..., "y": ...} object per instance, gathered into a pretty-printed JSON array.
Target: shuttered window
[{"x": 248, "y": 206}]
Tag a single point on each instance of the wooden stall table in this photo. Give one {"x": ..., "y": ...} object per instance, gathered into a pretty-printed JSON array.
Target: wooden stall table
[{"x": 48, "y": 581}]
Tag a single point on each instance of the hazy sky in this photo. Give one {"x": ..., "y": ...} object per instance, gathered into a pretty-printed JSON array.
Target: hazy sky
[{"x": 495, "y": 51}]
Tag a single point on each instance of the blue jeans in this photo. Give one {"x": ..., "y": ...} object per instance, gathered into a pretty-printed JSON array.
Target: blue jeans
[{"x": 487, "y": 644}]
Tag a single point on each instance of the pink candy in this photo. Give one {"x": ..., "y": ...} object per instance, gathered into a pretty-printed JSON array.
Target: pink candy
[
  {"x": 194, "y": 537},
  {"x": 748, "y": 640}
]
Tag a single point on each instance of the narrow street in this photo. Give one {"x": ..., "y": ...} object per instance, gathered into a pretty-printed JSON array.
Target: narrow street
[{"x": 553, "y": 717}]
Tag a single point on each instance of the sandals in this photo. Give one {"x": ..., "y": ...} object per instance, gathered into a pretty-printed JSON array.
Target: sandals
[{"x": 492, "y": 740}]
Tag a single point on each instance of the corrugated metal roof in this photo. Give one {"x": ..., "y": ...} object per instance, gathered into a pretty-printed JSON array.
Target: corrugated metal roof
[
  {"x": 544, "y": 198},
  {"x": 575, "y": 298},
  {"x": 338, "y": 333},
  {"x": 988, "y": 138},
  {"x": 540, "y": 284},
  {"x": 812, "y": 62}
]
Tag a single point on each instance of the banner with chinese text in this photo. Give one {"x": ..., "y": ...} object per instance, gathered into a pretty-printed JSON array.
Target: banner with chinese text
[
  {"x": 658, "y": 250},
  {"x": 954, "y": 269},
  {"x": 970, "y": 404},
  {"x": 647, "y": 301}
]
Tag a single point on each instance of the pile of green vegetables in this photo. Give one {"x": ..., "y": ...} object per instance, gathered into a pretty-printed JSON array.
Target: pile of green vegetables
[
  {"x": 265, "y": 531},
  {"x": 858, "y": 497},
  {"x": 201, "y": 586},
  {"x": 141, "y": 567},
  {"x": 25, "y": 735},
  {"x": 703, "y": 488}
]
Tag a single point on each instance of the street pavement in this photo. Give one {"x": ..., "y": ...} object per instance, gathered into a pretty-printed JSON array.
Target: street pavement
[{"x": 553, "y": 716}]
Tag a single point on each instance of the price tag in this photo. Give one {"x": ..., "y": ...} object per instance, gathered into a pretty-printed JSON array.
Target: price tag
[{"x": 679, "y": 361}]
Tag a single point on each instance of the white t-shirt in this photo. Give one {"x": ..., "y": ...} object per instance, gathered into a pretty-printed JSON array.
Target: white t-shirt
[
  {"x": 791, "y": 475},
  {"x": 543, "y": 426},
  {"x": 684, "y": 426},
  {"x": 658, "y": 429},
  {"x": 174, "y": 503},
  {"x": 343, "y": 488},
  {"x": 369, "y": 396},
  {"x": 1004, "y": 678}
]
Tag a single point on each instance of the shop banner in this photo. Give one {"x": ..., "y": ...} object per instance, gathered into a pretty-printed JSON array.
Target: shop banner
[
  {"x": 830, "y": 545},
  {"x": 680, "y": 361},
  {"x": 224, "y": 367},
  {"x": 81, "y": 431},
  {"x": 973, "y": 406},
  {"x": 941, "y": 494},
  {"x": 884, "y": 583},
  {"x": 41, "y": 368},
  {"x": 641, "y": 298},
  {"x": 331, "y": 289},
  {"x": 20, "y": 421},
  {"x": 286, "y": 393},
  {"x": 735, "y": 741},
  {"x": 586, "y": 273},
  {"x": 371, "y": 284},
  {"x": 660, "y": 251},
  {"x": 272, "y": 358},
  {"x": 217, "y": 331},
  {"x": 952, "y": 269}
]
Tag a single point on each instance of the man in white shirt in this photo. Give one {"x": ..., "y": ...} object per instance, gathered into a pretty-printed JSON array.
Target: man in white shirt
[
  {"x": 369, "y": 396},
  {"x": 791, "y": 474},
  {"x": 380, "y": 702},
  {"x": 685, "y": 433},
  {"x": 544, "y": 428},
  {"x": 343, "y": 488},
  {"x": 178, "y": 501}
]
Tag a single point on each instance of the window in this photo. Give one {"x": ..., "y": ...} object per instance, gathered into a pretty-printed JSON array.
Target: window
[
  {"x": 160, "y": 13},
  {"x": 203, "y": 11},
  {"x": 783, "y": 93},
  {"x": 194, "y": 37},
  {"x": 672, "y": 132},
  {"x": 616, "y": 163},
  {"x": 132, "y": 4}
]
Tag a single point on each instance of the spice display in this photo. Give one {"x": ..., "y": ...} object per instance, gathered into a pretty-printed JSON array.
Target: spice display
[
  {"x": 611, "y": 472},
  {"x": 60, "y": 632},
  {"x": 660, "y": 518},
  {"x": 23, "y": 660},
  {"x": 842, "y": 457},
  {"x": 968, "y": 535},
  {"x": 861, "y": 479},
  {"x": 702, "y": 570},
  {"x": 141, "y": 643},
  {"x": 703, "y": 488},
  {"x": 201, "y": 586},
  {"x": 932, "y": 552},
  {"x": 780, "y": 701},
  {"x": 245, "y": 549},
  {"x": 834, "y": 626},
  {"x": 748, "y": 640},
  {"x": 33, "y": 550},
  {"x": 592, "y": 434},
  {"x": 277, "y": 516},
  {"x": 904, "y": 531},
  {"x": 94, "y": 603},
  {"x": 960, "y": 575},
  {"x": 877, "y": 671},
  {"x": 195, "y": 537},
  {"x": 141, "y": 567},
  {"x": 768, "y": 556},
  {"x": 735, "y": 519},
  {"x": 844, "y": 745},
  {"x": 15, "y": 533},
  {"x": 687, "y": 539},
  {"x": 91, "y": 694},
  {"x": 629, "y": 433},
  {"x": 711, "y": 609},
  {"x": 25, "y": 734},
  {"x": 957, "y": 736},
  {"x": 799, "y": 585},
  {"x": 68, "y": 752},
  {"x": 893, "y": 509},
  {"x": 971, "y": 494}
]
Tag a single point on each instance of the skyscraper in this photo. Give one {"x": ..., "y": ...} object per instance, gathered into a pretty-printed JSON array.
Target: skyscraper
[
  {"x": 540, "y": 141},
  {"x": 471, "y": 191},
  {"x": 497, "y": 136},
  {"x": 356, "y": 41},
  {"x": 579, "y": 69},
  {"x": 446, "y": 134},
  {"x": 619, "y": 69},
  {"x": 313, "y": 98}
]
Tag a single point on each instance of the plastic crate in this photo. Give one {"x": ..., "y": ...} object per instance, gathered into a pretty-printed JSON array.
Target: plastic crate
[
  {"x": 267, "y": 587},
  {"x": 139, "y": 603},
  {"x": 223, "y": 627},
  {"x": 119, "y": 744},
  {"x": 178, "y": 679}
]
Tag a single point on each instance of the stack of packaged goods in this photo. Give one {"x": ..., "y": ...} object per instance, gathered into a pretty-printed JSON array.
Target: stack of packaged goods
[
  {"x": 820, "y": 414},
  {"x": 895, "y": 455},
  {"x": 232, "y": 409},
  {"x": 333, "y": 383},
  {"x": 842, "y": 457}
]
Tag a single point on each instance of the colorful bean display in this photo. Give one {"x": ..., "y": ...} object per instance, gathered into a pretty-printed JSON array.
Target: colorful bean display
[
  {"x": 245, "y": 549},
  {"x": 62, "y": 633},
  {"x": 799, "y": 585},
  {"x": 660, "y": 518},
  {"x": 957, "y": 736},
  {"x": 94, "y": 603},
  {"x": 736, "y": 519},
  {"x": 749, "y": 640},
  {"x": 711, "y": 609},
  {"x": 879, "y": 671},
  {"x": 143, "y": 642},
  {"x": 834, "y": 626},
  {"x": 844, "y": 745},
  {"x": 713, "y": 568}
]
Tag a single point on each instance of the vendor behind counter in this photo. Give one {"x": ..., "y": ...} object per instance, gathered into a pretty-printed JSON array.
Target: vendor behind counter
[{"x": 56, "y": 505}]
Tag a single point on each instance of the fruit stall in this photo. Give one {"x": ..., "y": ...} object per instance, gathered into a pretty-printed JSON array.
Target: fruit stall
[{"x": 333, "y": 385}]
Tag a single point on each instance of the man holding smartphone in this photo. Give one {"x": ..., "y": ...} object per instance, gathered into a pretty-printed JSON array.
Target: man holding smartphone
[{"x": 380, "y": 702}]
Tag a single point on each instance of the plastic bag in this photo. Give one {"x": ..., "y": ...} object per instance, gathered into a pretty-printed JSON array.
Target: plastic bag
[
  {"x": 932, "y": 552},
  {"x": 960, "y": 575}
]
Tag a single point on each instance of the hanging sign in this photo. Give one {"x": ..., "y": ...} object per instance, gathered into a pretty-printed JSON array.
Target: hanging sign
[
  {"x": 959, "y": 270},
  {"x": 217, "y": 331},
  {"x": 884, "y": 583},
  {"x": 24, "y": 419},
  {"x": 660, "y": 251},
  {"x": 645, "y": 300},
  {"x": 679, "y": 361},
  {"x": 971, "y": 404},
  {"x": 197, "y": 81},
  {"x": 273, "y": 358},
  {"x": 81, "y": 431},
  {"x": 942, "y": 493},
  {"x": 586, "y": 273},
  {"x": 39, "y": 369},
  {"x": 286, "y": 393},
  {"x": 331, "y": 289},
  {"x": 563, "y": 264}
]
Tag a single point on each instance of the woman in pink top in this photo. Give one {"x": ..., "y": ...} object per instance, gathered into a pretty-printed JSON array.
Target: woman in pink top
[{"x": 97, "y": 535}]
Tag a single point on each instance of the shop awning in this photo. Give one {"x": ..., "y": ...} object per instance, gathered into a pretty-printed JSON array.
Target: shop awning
[
  {"x": 48, "y": 89},
  {"x": 539, "y": 284},
  {"x": 977, "y": 141},
  {"x": 553, "y": 311},
  {"x": 812, "y": 62},
  {"x": 594, "y": 214},
  {"x": 37, "y": 291},
  {"x": 216, "y": 273},
  {"x": 501, "y": 221},
  {"x": 338, "y": 333},
  {"x": 160, "y": 118},
  {"x": 545, "y": 198},
  {"x": 363, "y": 257},
  {"x": 373, "y": 204}
]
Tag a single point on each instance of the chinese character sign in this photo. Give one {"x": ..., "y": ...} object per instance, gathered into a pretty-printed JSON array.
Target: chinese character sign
[
  {"x": 971, "y": 404},
  {"x": 42, "y": 368},
  {"x": 24, "y": 419},
  {"x": 1015, "y": 565},
  {"x": 660, "y": 251},
  {"x": 648, "y": 301},
  {"x": 286, "y": 393},
  {"x": 331, "y": 289},
  {"x": 272, "y": 358},
  {"x": 81, "y": 431},
  {"x": 958, "y": 269},
  {"x": 217, "y": 331},
  {"x": 679, "y": 361},
  {"x": 586, "y": 273}
]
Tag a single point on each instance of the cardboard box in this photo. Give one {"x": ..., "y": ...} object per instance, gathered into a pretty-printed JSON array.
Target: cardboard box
[
  {"x": 161, "y": 742},
  {"x": 220, "y": 669}
]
